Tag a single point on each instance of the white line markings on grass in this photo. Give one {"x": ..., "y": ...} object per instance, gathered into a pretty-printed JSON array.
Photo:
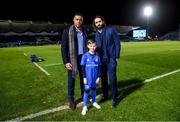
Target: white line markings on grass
[
  {"x": 30, "y": 116},
  {"x": 52, "y": 64},
  {"x": 25, "y": 54},
  {"x": 149, "y": 80},
  {"x": 43, "y": 70},
  {"x": 161, "y": 76},
  {"x": 64, "y": 107}
]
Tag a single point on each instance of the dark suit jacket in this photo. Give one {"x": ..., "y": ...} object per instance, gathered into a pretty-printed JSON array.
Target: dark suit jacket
[
  {"x": 65, "y": 44},
  {"x": 113, "y": 45}
]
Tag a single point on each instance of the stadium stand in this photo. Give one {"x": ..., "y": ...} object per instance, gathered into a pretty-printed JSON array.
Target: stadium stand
[
  {"x": 20, "y": 33},
  {"x": 171, "y": 36}
]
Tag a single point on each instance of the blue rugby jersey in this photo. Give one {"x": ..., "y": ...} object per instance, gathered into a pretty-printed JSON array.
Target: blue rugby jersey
[{"x": 91, "y": 62}]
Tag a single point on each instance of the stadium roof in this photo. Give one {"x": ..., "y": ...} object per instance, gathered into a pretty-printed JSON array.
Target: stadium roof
[{"x": 7, "y": 26}]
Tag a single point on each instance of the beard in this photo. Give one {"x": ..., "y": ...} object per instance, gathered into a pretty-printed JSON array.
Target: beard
[{"x": 99, "y": 27}]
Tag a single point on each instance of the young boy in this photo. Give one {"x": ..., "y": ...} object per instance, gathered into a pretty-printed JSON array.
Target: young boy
[{"x": 91, "y": 72}]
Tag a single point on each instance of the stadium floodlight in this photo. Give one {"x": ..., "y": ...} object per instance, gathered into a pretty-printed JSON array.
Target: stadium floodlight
[{"x": 147, "y": 13}]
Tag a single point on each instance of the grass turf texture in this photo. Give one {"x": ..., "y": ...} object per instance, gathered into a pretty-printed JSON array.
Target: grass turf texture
[{"x": 24, "y": 89}]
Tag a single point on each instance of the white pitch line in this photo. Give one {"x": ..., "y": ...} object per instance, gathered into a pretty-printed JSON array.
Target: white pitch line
[
  {"x": 30, "y": 116},
  {"x": 161, "y": 76},
  {"x": 25, "y": 54},
  {"x": 149, "y": 80},
  {"x": 64, "y": 107},
  {"x": 43, "y": 70},
  {"x": 52, "y": 64}
]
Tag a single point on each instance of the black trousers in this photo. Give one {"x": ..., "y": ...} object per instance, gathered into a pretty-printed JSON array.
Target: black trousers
[
  {"x": 109, "y": 70},
  {"x": 71, "y": 81}
]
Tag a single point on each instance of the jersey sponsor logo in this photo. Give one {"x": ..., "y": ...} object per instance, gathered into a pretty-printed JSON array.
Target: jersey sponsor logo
[{"x": 92, "y": 65}]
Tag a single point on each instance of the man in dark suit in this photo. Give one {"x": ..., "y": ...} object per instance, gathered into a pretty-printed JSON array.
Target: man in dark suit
[
  {"x": 108, "y": 45},
  {"x": 73, "y": 46}
]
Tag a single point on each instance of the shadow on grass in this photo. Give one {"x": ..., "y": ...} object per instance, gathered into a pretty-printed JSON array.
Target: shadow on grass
[{"x": 125, "y": 88}]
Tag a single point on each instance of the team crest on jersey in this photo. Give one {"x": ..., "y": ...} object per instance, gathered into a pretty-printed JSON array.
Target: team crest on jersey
[{"x": 88, "y": 59}]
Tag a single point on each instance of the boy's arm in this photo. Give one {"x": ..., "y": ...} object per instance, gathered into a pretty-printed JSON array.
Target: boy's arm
[
  {"x": 99, "y": 74},
  {"x": 84, "y": 74},
  {"x": 117, "y": 43},
  {"x": 83, "y": 71}
]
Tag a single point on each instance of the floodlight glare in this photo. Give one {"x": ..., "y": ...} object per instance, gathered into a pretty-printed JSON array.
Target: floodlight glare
[{"x": 147, "y": 11}]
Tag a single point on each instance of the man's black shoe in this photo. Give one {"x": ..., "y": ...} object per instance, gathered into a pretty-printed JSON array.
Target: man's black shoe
[
  {"x": 103, "y": 99},
  {"x": 114, "y": 104},
  {"x": 72, "y": 105}
]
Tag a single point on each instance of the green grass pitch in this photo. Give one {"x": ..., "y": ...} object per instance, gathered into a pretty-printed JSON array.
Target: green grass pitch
[{"x": 24, "y": 89}]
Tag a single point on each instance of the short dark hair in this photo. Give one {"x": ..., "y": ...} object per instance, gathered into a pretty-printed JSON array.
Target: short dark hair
[
  {"x": 91, "y": 41},
  {"x": 78, "y": 14}
]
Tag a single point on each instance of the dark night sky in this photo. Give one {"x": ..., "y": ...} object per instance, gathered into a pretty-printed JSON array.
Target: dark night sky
[{"x": 165, "y": 16}]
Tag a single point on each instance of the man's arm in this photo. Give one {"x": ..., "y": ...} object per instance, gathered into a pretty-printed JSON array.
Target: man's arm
[
  {"x": 65, "y": 47},
  {"x": 117, "y": 43}
]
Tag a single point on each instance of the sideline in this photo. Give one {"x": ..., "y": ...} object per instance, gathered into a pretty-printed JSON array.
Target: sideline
[
  {"x": 42, "y": 69},
  {"x": 65, "y": 107}
]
